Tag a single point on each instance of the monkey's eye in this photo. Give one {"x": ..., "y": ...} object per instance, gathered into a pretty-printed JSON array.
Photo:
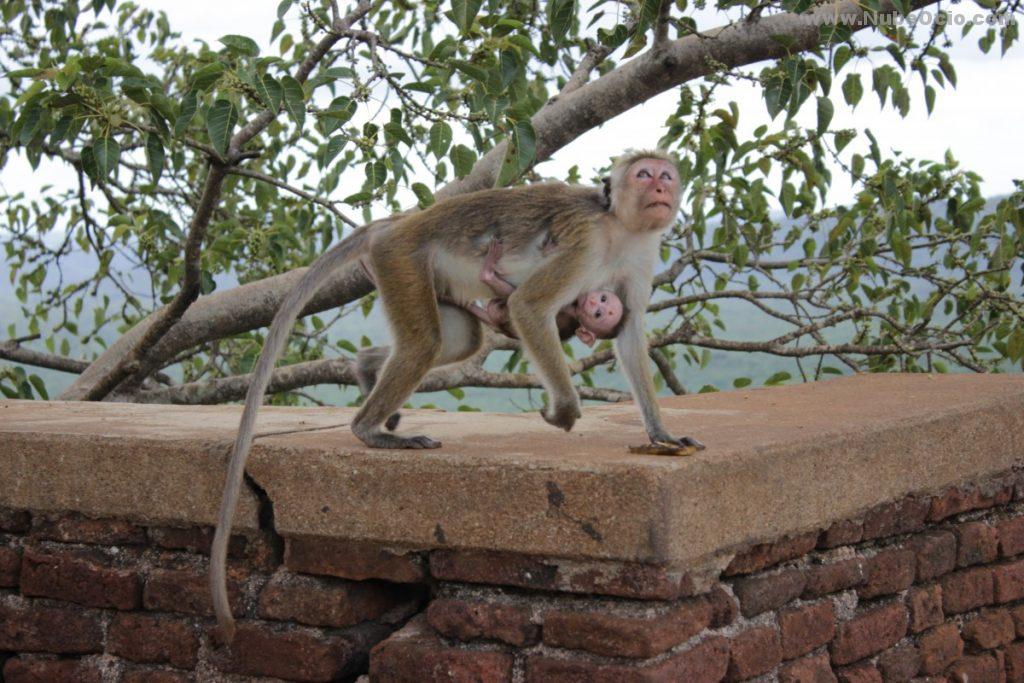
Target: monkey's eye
[
  {"x": 597, "y": 314},
  {"x": 604, "y": 298},
  {"x": 666, "y": 176},
  {"x": 643, "y": 173}
]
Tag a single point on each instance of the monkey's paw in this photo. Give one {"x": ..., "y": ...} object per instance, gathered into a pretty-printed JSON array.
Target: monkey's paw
[
  {"x": 384, "y": 440},
  {"x": 563, "y": 416},
  {"x": 660, "y": 438}
]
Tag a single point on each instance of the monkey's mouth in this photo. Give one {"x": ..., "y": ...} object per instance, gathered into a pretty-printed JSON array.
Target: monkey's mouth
[{"x": 665, "y": 204}]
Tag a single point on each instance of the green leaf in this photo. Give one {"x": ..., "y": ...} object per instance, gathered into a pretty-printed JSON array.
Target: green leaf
[
  {"x": 331, "y": 149},
  {"x": 376, "y": 173},
  {"x": 241, "y": 44},
  {"x": 777, "y": 378},
  {"x": 471, "y": 70},
  {"x": 40, "y": 387},
  {"x": 929, "y": 98},
  {"x": 206, "y": 282},
  {"x": 294, "y": 100},
  {"x": 520, "y": 154},
  {"x": 270, "y": 91},
  {"x": 220, "y": 121},
  {"x": 155, "y": 156},
  {"x": 440, "y": 138},
  {"x": 188, "y": 111},
  {"x": 560, "y": 14},
  {"x": 29, "y": 122},
  {"x": 741, "y": 382},
  {"x": 106, "y": 152},
  {"x": 464, "y": 12},
  {"x": 852, "y": 89},
  {"x": 463, "y": 159},
  {"x": 204, "y": 78},
  {"x": 841, "y": 57},
  {"x": 423, "y": 194},
  {"x": 825, "y": 111},
  {"x": 283, "y": 8}
]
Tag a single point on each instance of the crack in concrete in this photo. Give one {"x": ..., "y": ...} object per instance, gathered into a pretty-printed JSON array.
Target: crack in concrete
[{"x": 300, "y": 430}]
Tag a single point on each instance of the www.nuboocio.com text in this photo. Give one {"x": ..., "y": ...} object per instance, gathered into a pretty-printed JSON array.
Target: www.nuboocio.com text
[{"x": 924, "y": 17}]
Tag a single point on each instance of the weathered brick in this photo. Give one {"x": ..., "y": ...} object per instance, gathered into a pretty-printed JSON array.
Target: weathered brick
[
  {"x": 753, "y": 652},
  {"x": 869, "y": 633},
  {"x": 843, "y": 532},
  {"x": 261, "y": 649},
  {"x": 193, "y": 539},
  {"x": 84, "y": 577},
  {"x": 1011, "y": 536},
  {"x": 153, "y": 640},
  {"x": 469, "y": 620},
  {"x": 40, "y": 670},
  {"x": 704, "y": 663},
  {"x": 859, "y": 673},
  {"x": 613, "y": 635},
  {"x": 1014, "y": 662},
  {"x": 188, "y": 592},
  {"x": 806, "y": 628},
  {"x": 935, "y": 552},
  {"x": 33, "y": 627},
  {"x": 332, "y": 602},
  {"x": 10, "y": 567},
  {"x": 15, "y": 521},
  {"x": 354, "y": 560},
  {"x": 1017, "y": 613},
  {"x": 955, "y": 500},
  {"x": 140, "y": 674},
  {"x": 939, "y": 648},
  {"x": 766, "y": 555},
  {"x": 72, "y": 527},
  {"x": 1008, "y": 581},
  {"x": 990, "y": 629},
  {"x": 768, "y": 591},
  {"x": 925, "y": 607},
  {"x": 814, "y": 669},
  {"x": 975, "y": 669},
  {"x": 414, "y": 655},
  {"x": 724, "y": 609},
  {"x": 610, "y": 578},
  {"x": 832, "y": 578},
  {"x": 901, "y": 517},
  {"x": 890, "y": 571},
  {"x": 966, "y": 590},
  {"x": 977, "y": 543},
  {"x": 900, "y": 663}
]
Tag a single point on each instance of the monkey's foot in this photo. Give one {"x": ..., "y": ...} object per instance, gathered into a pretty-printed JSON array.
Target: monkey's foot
[
  {"x": 382, "y": 440},
  {"x": 663, "y": 449},
  {"x": 665, "y": 439},
  {"x": 391, "y": 424}
]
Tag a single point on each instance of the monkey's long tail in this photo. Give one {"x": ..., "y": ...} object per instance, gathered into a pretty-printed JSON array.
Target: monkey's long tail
[{"x": 277, "y": 337}]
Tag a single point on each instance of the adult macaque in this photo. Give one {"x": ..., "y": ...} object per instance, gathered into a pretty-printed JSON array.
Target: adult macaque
[{"x": 420, "y": 258}]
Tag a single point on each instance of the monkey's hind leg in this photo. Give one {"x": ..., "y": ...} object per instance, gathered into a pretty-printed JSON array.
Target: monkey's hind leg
[{"x": 368, "y": 364}]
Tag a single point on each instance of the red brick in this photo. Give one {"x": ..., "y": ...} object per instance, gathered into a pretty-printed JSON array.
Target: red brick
[
  {"x": 832, "y": 578},
  {"x": 261, "y": 649},
  {"x": 900, "y": 663},
  {"x": 15, "y": 521},
  {"x": 10, "y": 566},
  {"x": 39, "y": 670},
  {"x": 704, "y": 663},
  {"x": 844, "y": 532},
  {"x": 83, "y": 577},
  {"x": 925, "y": 607},
  {"x": 966, "y": 590},
  {"x": 869, "y": 633},
  {"x": 955, "y": 500},
  {"x": 724, "y": 609},
  {"x": 33, "y": 627},
  {"x": 859, "y": 673},
  {"x": 1011, "y": 536},
  {"x": 890, "y": 571},
  {"x": 990, "y": 629},
  {"x": 1009, "y": 581},
  {"x": 332, "y": 602},
  {"x": 1014, "y": 662},
  {"x": 977, "y": 669},
  {"x": 808, "y": 670},
  {"x": 469, "y": 620},
  {"x": 806, "y": 628},
  {"x": 753, "y": 652},
  {"x": 352, "y": 560},
  {"x": 150, "y": 675},
  {"x": 900, "y": 517},
  {"x": 414, "y": 655},
  {"x": 767, "y": 555},
  {"x": 193, "y": 539},
  {"x": 625, "y": 636},
  {"x": 1017, "y": 613},
  {"x": 153, "y": 640},
  {"x": 939, "y": 648},
  {"x": 188, "y": 592},
  {"x": 935, "y": 552},
  {"x": 977, "y": 543},
  {"x": 75, "y": 528},
  {"x": 768, "y": 591},
  {"x": 609, "y": 578}
]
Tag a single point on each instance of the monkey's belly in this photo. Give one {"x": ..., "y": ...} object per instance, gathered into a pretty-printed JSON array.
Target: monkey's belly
[{"x": 459, "y": 276}]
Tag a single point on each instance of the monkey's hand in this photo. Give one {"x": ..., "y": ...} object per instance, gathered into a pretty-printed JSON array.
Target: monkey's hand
[
  {"x": 563, "y": 416},
  {"x": 663, "y": 437}
]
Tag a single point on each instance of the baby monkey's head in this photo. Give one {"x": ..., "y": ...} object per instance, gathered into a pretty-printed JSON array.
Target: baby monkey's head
[{"x": 599, "y": 313}]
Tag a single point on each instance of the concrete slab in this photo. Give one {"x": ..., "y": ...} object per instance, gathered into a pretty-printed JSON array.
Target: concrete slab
[{"x": 778, "y": 461}]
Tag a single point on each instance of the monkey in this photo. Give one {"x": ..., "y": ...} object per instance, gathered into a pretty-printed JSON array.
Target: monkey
[{"x": 607, "y": 239}]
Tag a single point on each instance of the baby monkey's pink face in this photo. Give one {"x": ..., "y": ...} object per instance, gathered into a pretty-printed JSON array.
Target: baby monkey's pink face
[{"x": 599, "y": 312}]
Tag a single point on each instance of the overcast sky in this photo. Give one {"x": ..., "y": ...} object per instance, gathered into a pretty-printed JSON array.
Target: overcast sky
[{"x": 979, "y": 121}]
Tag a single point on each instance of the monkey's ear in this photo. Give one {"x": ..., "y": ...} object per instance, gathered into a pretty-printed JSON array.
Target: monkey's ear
[
  {"x": 585, "y": 335},
  {"x": 607, "y": 181}
]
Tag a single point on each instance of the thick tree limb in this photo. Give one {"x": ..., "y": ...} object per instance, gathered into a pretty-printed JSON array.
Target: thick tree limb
[{"x": 12, "y": 350}]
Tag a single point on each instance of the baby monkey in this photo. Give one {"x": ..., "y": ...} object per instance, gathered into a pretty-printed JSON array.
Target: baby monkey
[{"x": 596, "y": 314}]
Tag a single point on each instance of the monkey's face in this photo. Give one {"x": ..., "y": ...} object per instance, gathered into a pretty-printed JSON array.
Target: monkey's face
[
  {"x": 649, "y": 194},
  {"x": 599, "y": 311}
]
